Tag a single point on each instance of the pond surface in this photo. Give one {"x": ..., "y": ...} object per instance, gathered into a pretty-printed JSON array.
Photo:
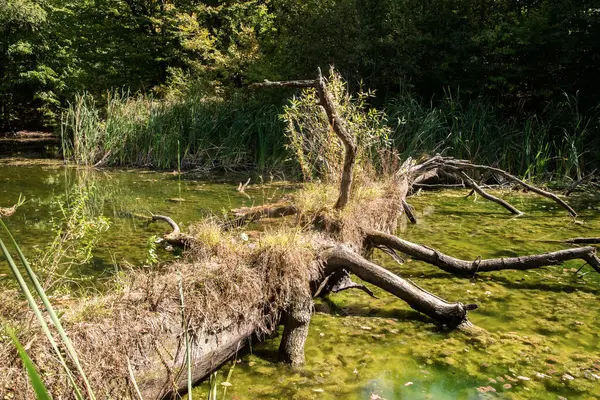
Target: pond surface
[
  {"x": 126, "y": 198},
  {"x": 540, "y": 335},
  {"x": 540, "y": 327}
]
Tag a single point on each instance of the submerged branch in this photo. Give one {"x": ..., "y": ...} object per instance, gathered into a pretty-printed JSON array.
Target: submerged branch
[
  {"x": 583, "y": 240},
  {"x": 251, "y": 214}
]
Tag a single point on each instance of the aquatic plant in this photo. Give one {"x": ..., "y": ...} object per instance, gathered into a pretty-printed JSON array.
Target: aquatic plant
[
  {"x": 78, "y": 227},
  {"x": 190, "y": 131},
  {"x": 559, "y": 143}
]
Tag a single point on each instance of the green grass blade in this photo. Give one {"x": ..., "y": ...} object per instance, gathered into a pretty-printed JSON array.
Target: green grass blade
[
  {"x": 55, "y": 320},
  {"x": 41, "y": 393},
  {"x": 188, "y": 353}
]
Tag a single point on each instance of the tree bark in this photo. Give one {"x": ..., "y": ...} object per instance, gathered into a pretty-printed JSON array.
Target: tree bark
[
  {"x": 296, "y": 322},
  {"x": 469, "y": 268},
  {"x": 209, "y": 350}
]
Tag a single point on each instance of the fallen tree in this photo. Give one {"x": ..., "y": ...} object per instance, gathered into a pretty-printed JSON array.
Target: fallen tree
[{"x": 236, "y": 289}]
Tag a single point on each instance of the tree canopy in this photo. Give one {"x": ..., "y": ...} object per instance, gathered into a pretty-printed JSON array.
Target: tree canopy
[{"x": 521, "y": 52}]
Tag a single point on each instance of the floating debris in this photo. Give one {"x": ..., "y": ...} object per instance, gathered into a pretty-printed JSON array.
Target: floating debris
[
  {"x": 567, "y": 377},
  {"x": 408, "y": 383},
  {"x": 226, "y": 384}
]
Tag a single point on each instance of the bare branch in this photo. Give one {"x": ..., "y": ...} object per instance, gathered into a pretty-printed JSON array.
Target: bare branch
[
  {"x": 468, "y": 268},
  {"x": 583, "y": 240},
  {"x": 285, "y": 84},
  {"x": 451, "y": 314},
  {"x": 470, "y": 182}
]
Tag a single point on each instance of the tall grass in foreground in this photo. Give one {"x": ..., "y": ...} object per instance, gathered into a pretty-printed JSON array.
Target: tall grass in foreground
[
  {"x": 66, "y": 342},
  {"x": 187, "y": 132},
  {"x": 559, "y": 142},
  {"x": 41, "y": 393}
]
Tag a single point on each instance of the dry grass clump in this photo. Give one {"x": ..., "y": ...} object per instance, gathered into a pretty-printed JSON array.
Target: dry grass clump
[
  {"x": 375, "y": 204},
  {"x": 226, "y": 280}
]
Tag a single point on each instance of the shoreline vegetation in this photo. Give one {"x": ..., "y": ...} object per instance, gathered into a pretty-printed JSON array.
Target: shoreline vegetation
[
  {"x": 560, "y": 144},
  {"x": 164, "y": 85}
]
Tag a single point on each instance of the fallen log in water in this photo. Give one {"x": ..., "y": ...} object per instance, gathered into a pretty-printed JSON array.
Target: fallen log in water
[{"x": 236, "y": 288}]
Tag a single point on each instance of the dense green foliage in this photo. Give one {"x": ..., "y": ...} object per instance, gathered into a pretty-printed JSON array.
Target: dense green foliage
[{"x": 518, "y": 61}]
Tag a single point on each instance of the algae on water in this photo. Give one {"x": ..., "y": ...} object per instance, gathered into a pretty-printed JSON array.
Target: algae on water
[{"x": 540, "y": 335}]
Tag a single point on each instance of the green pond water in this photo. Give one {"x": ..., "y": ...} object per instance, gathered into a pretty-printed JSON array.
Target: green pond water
[
  {"x": 544, "y": 321},
  {"x": 119, "y": 195}
]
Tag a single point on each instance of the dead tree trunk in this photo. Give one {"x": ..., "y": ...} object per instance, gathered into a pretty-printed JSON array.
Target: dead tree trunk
[
  {"x": 164, "y": 376},
  {"x": 337, "y": 124},
  {"x": 211, "y": 349},
  {"x": 162, "y": 379}
]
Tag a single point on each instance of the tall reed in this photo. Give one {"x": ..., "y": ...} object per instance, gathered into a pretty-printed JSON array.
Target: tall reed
[
  {"x": 191, "y": 131},
  {"x": 559, "y": 142}
]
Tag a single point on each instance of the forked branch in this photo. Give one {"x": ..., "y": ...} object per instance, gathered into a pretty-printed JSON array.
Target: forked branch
[{"x": 455, "y": 166}]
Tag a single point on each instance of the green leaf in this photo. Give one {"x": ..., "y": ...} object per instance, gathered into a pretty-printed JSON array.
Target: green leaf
[{"x": 41, "y": 393}]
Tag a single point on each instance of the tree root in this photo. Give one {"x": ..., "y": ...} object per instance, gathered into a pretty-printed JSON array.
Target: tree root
[{"x": 469, "y": 268}]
